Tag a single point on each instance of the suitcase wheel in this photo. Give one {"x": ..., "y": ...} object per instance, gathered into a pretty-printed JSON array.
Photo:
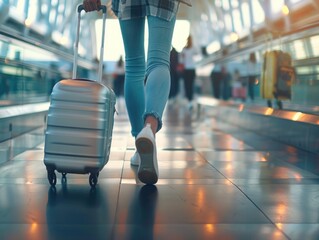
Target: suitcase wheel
[
  {"x": 52, "y": 177},
  {"x": 93, "y": 179}
]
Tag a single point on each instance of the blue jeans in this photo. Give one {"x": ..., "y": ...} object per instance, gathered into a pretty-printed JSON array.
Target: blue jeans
[{"x": 147, "y": 84}]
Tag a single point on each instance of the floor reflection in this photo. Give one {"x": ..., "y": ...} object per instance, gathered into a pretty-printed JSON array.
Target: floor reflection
[
  {"x": 216, "y": 181},
  {"x": 141, "y": 213},
  {"x": 77, "y": 212}
]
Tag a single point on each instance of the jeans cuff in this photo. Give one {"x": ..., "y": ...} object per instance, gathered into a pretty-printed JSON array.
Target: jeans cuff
[{"x": 155, "y": 115}]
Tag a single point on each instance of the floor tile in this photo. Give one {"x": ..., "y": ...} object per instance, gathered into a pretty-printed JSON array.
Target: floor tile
[
  {"x": 301, "y": 231},
  {"x": 199, "y": 231},
  {"x": 186, "y": 204},
  {"x": 216, "y": 181},
  {"x": 286, "y": 203}
]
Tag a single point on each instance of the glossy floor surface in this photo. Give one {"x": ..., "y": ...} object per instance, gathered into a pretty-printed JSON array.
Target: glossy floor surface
[{"x": 216, "y": 182}]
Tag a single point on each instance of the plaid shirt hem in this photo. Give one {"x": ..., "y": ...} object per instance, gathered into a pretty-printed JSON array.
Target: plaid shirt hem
[{"x": 127, "y": 9}]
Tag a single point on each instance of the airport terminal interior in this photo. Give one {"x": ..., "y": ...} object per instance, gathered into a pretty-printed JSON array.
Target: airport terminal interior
[{"x": 238, "y": 161}]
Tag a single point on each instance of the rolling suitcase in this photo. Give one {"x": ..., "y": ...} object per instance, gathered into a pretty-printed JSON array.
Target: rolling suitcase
[
  {"x": 239, "y": 92},
  {"x": 80, "y": 123},
  {"x": 277, "y": 75}
]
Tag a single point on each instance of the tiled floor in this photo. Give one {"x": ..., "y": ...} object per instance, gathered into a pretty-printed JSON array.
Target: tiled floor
[{"x": 216, "y": 182}]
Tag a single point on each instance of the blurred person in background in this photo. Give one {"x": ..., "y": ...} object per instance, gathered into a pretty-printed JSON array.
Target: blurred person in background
[
  {"x": 118, "y": 77},
  {"x": 189, "y": 72},
  {"x": 174, "y": 63},
  {"x": 252, "y": 69}
]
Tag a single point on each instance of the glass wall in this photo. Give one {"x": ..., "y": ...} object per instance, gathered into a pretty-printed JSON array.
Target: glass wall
[
  {"x": 28, "y": 73},
  {"x": 29, "y": 67}
]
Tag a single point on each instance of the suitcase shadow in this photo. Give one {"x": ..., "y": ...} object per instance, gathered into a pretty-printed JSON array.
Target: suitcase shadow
[{"x": 78, "y": 213}]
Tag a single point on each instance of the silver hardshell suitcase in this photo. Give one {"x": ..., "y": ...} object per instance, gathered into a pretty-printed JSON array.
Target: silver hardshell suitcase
[{"x": 80, "y": 123}]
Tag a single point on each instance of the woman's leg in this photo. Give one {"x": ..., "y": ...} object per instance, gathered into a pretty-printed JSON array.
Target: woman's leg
[
  {"x": 189, "y": 78},
  {"x": 251, "y": 84},
  {"x": 133, "y": 38},
  {"x": 158, "y": 70}
]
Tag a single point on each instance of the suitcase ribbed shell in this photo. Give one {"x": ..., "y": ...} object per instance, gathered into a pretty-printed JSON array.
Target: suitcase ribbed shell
[{"x": 79, "y": 126}]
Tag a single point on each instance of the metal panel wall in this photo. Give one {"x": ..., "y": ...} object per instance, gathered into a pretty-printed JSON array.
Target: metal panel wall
[{"x": 280, "y": 125}]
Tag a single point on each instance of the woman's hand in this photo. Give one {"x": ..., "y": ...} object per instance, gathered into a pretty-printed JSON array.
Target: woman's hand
[{"x": 91, "y": 5}]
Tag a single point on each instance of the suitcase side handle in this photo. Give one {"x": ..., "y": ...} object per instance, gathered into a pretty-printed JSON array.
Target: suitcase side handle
[{"x": 76, "y": 45}]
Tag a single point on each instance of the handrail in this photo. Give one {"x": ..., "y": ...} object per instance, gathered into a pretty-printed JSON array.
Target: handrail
[
  {"x": 217, "y": 57},
  {"x": 18, "y": 110},
  {"x": 11, "y": 36}
]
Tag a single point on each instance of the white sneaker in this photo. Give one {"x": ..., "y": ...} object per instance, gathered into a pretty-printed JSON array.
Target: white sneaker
[
  {"x": 146, "y": 148},
  {"x": 135, "y": 159}
]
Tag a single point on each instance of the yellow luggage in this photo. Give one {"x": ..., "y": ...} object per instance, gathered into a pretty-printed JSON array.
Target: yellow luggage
[{"x": 277, "y": 75}]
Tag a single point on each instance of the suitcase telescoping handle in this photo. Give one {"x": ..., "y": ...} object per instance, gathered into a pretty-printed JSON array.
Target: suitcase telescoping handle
[{"x": 76, "y": 45}]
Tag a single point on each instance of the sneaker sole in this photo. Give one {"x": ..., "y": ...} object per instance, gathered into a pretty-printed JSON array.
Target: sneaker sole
[{"x": 146, "y": 171}]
